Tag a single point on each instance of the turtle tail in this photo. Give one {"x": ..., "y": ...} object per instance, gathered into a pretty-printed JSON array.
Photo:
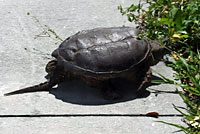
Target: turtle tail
[
  {"x": 57, "y": 77},
  {"x": 46, "y": 86}
]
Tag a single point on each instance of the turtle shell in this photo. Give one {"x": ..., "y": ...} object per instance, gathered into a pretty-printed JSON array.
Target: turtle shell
[{"x": 102, "y": 51}]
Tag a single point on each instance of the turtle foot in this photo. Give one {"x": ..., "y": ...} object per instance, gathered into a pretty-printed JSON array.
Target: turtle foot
[{"x": 146, "y": 82}]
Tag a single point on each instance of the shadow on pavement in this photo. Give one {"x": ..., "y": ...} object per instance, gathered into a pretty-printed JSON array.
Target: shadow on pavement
[{"x": 77, "y": 92}]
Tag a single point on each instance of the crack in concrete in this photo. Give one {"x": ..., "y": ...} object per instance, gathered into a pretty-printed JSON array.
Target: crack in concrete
[{"x": 86, "y": 115}]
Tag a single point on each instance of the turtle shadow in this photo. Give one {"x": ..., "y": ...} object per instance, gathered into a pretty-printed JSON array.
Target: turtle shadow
[{"x": 77, "y": 92}]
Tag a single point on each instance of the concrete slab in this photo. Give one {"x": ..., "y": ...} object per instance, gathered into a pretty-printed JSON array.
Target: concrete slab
[
  {"x": 87, "y": 125},
  {"x": 23, "y": 58},
  {"x": 74, "y": 97}
]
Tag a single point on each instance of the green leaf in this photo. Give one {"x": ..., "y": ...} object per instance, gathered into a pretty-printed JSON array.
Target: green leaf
[
  {"x": 181, "y": 112},
  {"x": 189, "y": 103},
  {"x": 132, "y": 8},
  {"x": 178, "y": 17},
  {"x": 165, "y": 79},
  {"x": 175, "y": 125},
  {"x": 173, "y": 12},
  {"x": 185, "y": 36},
  {"x": 159, "y": 81},
  {"x": 130, "y": 19},
  {"x": 165, "y": 21}
]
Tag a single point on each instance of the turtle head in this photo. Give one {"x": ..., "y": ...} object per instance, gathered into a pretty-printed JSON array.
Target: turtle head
[{"x": 157, "y": 51}]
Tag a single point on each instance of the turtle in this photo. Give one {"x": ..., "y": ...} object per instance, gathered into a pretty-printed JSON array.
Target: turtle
[{"x": 98, "y": 56}]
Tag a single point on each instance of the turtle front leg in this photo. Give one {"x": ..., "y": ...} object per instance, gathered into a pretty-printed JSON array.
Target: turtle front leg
[
  {"x": 109, "y": 92},
  {"x": 144, "y": 83}
]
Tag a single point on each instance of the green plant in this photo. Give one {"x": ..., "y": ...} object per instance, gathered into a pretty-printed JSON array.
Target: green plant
[
  {"x": 187, "y": 71},
  {"x": 47, "y": 31},
  {"x": 178, "y": 23},
  {"x": 192, "y": 118},
  {"x": 175, "y": 20}
]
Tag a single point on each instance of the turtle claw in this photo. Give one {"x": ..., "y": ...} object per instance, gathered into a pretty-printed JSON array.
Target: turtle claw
[{"x": 146, "y": 82}]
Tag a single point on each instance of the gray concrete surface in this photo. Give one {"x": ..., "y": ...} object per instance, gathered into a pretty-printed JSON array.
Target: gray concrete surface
[
  {"x": 86, "y": 125},
  {"x": 79, "y": 108}
]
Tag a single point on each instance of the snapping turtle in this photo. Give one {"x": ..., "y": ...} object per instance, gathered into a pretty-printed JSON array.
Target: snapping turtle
[{"x": 99, "y": 55}]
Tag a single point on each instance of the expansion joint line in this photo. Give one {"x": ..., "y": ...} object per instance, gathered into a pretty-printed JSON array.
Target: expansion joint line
[{"x": 85, "y": 115}]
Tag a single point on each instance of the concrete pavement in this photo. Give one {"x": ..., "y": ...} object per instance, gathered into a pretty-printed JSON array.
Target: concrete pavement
[{"x": 79, "y": 108}]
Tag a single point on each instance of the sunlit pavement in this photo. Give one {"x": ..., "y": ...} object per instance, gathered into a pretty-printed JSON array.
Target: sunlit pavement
[{"x": 72, "y": 107}]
